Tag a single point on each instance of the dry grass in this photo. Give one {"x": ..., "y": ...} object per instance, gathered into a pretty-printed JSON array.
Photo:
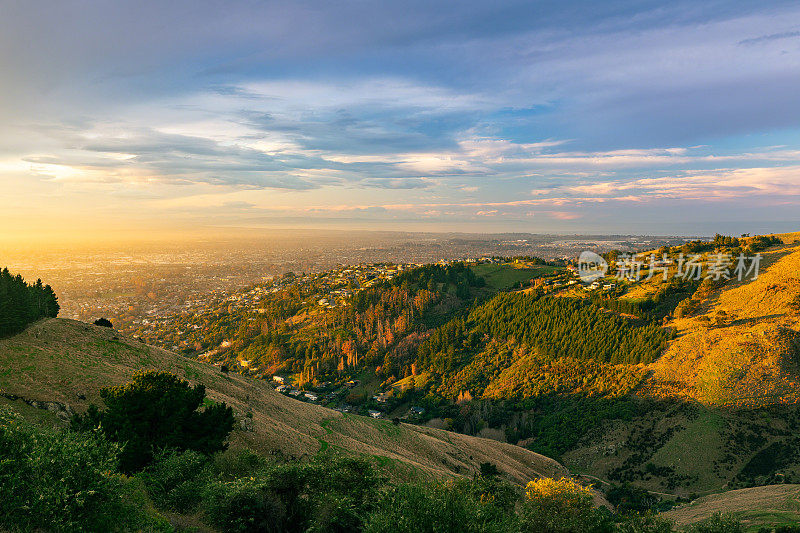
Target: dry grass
[
  {"x": 749, "y": 360},
  {"x": 62, "y": 360},
  {"x": 788, "y": 238},
  {"x": 758, "y": 506}
]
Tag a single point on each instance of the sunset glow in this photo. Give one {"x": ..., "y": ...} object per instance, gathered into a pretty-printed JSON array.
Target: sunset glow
[{"x": 392, "y": 116}]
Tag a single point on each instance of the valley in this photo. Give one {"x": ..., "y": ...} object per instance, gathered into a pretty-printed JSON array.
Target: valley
[{"x": 686, "y": 390}]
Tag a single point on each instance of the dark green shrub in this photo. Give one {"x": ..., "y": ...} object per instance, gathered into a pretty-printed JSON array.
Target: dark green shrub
[
  {"x": 243, "y": 506},
  {"x": 65, "y": 481},
  {"x": 176, "y": 481},
  {"x": 718, "y": 523},
  {"x": 644, "y": 524},
  {"x": 233, "y": 464},
  {"x": 329, "y": 494},
  {"x": 489, "y": 469},
  {"x": 435, "y": 508},
  {"x": 626, "y": 499},
  {"x": 158, "y": 411},
  {"x": 313, "y": 493}
]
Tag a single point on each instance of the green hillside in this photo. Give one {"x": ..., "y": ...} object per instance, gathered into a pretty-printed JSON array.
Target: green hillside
[{"x": 57, "y": 366}]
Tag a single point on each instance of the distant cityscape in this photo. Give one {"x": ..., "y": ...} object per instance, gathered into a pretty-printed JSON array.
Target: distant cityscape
[{"x": 144, "y": 285}]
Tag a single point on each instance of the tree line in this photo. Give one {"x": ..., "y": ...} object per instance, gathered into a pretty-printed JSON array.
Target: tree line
[
  {"x": 553, "y": 327},
  {"x": 22, "y": 303}
]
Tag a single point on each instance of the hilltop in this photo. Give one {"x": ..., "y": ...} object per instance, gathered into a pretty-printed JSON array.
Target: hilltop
[
  {"x": 57, "y": 366},
  {"x": 741, "y": 346}
]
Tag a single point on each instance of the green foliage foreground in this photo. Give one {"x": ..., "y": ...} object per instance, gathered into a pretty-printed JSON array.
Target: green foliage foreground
[
  {"x": 67, "y": 481},
  {"x": 72, "y": 481}
]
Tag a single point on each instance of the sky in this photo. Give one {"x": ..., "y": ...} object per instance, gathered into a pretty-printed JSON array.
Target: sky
[{"x": 603, "y": 117}]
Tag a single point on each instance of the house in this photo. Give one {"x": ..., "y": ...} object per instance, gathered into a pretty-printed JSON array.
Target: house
[
  {"x": 416, "y": 411},
  {"x": 382, "y": 397},
  {"x": 281, "y": 388},
  {"x": 375, "y": 414},
  {"x": 279, "y": 379},
  {"x": 311, "y": 396},
  {"x": 294, "y": 392}
]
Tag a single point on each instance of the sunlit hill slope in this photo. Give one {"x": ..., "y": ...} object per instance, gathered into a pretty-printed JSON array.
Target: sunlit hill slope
[{"x": 57, "y": 366}]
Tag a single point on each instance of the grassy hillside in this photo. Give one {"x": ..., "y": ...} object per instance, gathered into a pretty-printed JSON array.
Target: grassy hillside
[
  {"x": 508, "y": 275},
  {"x": 771, "y": 505},
  {"x": 726, "y": 393},
  {"x": 741, "y": 346},
  {"x": 60, "y": 365}
]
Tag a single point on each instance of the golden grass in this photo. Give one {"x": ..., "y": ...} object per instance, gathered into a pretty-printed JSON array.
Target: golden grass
[
  {"x": 788, "y": 238},
  {"x": 751, "y": 359},
  {"x": 61, "y": 360}
]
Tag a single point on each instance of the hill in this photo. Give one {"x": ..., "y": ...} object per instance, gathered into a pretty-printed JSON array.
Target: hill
[
  {"x": 625, "y": 382},
  {"x": 724, "y": 393},
  {"x": 772, "y": 505},
  {"x": 741, "y": 346},
  {"x": 57, "y": 366}
]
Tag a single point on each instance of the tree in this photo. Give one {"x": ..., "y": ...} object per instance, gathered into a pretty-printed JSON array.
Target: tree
[
  {"x": 21, "y": 303},
  {"x": 158, "y": 411}
]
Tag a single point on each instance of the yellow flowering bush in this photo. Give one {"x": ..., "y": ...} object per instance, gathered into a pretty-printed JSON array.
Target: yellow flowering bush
[{"x": 558, "y": 505}]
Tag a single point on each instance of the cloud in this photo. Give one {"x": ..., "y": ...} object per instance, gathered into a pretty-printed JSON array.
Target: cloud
[
  {"x": 383, "y": 108},
  {"x": 771, "y": 37},
  {"x": 397, "y": 183}
]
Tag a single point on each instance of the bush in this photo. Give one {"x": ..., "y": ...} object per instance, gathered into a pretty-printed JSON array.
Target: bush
[
  {"x": 243, "y": 506},
  {"x": 65, "y": 481},
  {"x": 489, "y": 469},
  {"x": 626, "y": 499},
  {"x": 645, "y": 524},
  {"x": 718, "y": 523},
  {"x": 230, "y": 464},
  {"x": 329, "y": 494},
  {"x": 176, "y": 481},
  {"x": 435, "y": 508},
  {"x": 324, "y": 491},
  {"x": 560, "y": 506}
]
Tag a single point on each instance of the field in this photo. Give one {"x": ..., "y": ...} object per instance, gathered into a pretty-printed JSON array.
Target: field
[
  {"x": 772, "y": 505},
  {"x": 63, "y": 364},
  {"x": 508, "y": 275}
]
